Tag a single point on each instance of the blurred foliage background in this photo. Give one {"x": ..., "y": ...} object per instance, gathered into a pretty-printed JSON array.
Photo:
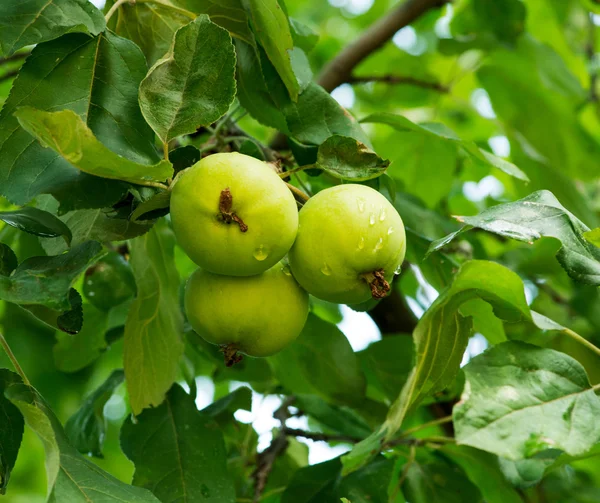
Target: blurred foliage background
[{"x": 518, "y": 78}]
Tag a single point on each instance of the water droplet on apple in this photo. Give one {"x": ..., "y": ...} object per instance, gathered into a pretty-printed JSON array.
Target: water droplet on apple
[
  {"x": 326, "y": 270},
  {"x": 382, "y": 215},
  {"x": 286, "y": 270},
  {"x": 361, "y": 205},
  {"x": 390, "y": 231},
  {"x": 379, "y": 244},
  {"x": 372, "y": 219},
  {"x": 261, "y": 253},
  {"x": 361, "y": 243}
]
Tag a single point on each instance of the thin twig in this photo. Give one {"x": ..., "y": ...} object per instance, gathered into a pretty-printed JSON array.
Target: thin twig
[
  {"x": 297, "y": 169},
  {"x": 298, "y": 192},
  {"x": 156, "y": 185},
  {"x": 13, "y": 359},
  {"x": 435, "y": 422},
  {"x": 115, "y": 7},
  {"x": 398, "y": 79},
  {"x": 320, "y": 437},
  {"x": 166, "y": 150},
  {"x": 411, "y": 459},
  {"x": 575, "y": 336}
]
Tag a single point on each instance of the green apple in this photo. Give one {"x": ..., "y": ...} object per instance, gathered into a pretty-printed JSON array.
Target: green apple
[
  {"x": 109, "y": 282},
  {"x": 232, "y": 214},
  {"x": 351, "y": 241},
  {"x": 256, "y": 315}
]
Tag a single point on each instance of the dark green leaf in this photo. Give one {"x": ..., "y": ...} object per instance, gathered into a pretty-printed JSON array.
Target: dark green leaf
[
  {"x": 540, "y": 215},
  {"x": 321, "y": 361},
  {"x": 75, "y": 72},
  {"x": 154, "y": 328},
  {"x": 349, "y": 159},
  {"x": 70, "y": 476},
  {"x": 109, "y": 282},
  {"x": 313, "y": 484},
  {"x": 184, "y": 157},
  {"x": 86, "y": 428},
  {"x": 69, "y": 321},
  {"x": 483, "y": 470},
  {"x": 272, "y": 29},
  {"x": 522, "y": 400},
  {"x": 438, "y": 481},
  {"x": 241, "y": 398},
  {"x": 369, "y": 484},
  {"x": 38, "y": 222},
  {"x": 387, "y": 364},
  {"x": 179, "y": 454},
  {"x": 341, "y": 420},
  {"x": 68, "y": 135},
  {"x": 47, "y": 280},
  {"x": 37, "y": 21},
  {"x": 75, "y": 352},
  {"x": 193, "y": 85},
  {"x": 11, "y": 431},
  {"x": 8, "y": 260}
]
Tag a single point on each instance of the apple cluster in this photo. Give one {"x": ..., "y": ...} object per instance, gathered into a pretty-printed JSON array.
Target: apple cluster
[{"x": 237, "y": 220}]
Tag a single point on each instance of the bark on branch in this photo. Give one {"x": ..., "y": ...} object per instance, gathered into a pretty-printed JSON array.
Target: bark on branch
[
  {"x": 399, "y": 79},
  {"x": 339, "y": 70}
]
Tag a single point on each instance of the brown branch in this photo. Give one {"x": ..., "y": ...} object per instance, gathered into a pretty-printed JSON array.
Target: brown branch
[
  {"x": 15, "y": 57},
  {"x": 266, "y": 459},
  {"x": 9, "y": 75},
  {"x": 339, "y": 70},
  {"x": 398, "y": 79},
  {"x": 320, "y": 437}
]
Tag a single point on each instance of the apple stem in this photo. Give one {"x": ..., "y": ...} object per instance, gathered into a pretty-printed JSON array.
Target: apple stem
[
  {"x": 230, "y": 353},
  {"x": 377, "y": 282},
  {"x": 225, "y": 205}
]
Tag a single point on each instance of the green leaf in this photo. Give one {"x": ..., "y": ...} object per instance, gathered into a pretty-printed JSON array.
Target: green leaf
[
  {"x": 154, "y": 327},
  {"x": 348, "y": 159},
  {"x": 11, "y": 431},
  {"x": 441, "y": 338},
  {"x": 97, "y": 225},
  {"x": 369, "y": 483},
  {"x": 535, "y": 94},
  {"x": 482, "y": 470},
  {"x": 75, "y": 352},
  {"x": 477, "y": 20},
  {"x": 179, "y": 454},
  {"x": 151, "y": 25},
  {"x": 184, "y": 157},
  {"x": 521, "y": 400},
  {"x": 593, "y": 237},
  {"x": 69, "y": 321},
  {"x": 303, "y": 35},
  {"x": 388, "y": 363},
  {"x": 37, "y": 21},
  {"x": 68, "y": 135},
  {"x": 8, "y": 260},
  {"x": 75, "y": 72},
  {"x": 47, "y": 280},
  {"x": 539, "y": 215},
  {"x": 193, "y": 85},
  {"x": 159, "y": 201},
  {"x": 241, "y": 398},
  {"x": 437, "y": 131},
  {"x": 321, "y": 361},
  {"x": 313, "y": 483},
  {"x": 38, "y": 222},
  {"x": 70, "y": 476},
  {"x": 86, "y": 429},
  {"x": 272, "y": 29}
]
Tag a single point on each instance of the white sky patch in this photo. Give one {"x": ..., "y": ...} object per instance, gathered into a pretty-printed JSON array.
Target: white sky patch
[
  {"x": 344, "y": 95},
  {"x": 596, "y": 19},
  {"x": 206, "y": 391},
  {"x": 99, "y": 3},
  {"x": 531, "y": 291},
  {"x": 115, "y": 408},
  {"x": 481, "y": 101},
  {"x": 477, "y": 345},
  {"x": 487, "y": 186},
  {"x": 359, "y": 328},
  {"x": 500, "y": 145},
  {"x": 442, "y": 25},
  {"x": 408, "y": 40}
]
